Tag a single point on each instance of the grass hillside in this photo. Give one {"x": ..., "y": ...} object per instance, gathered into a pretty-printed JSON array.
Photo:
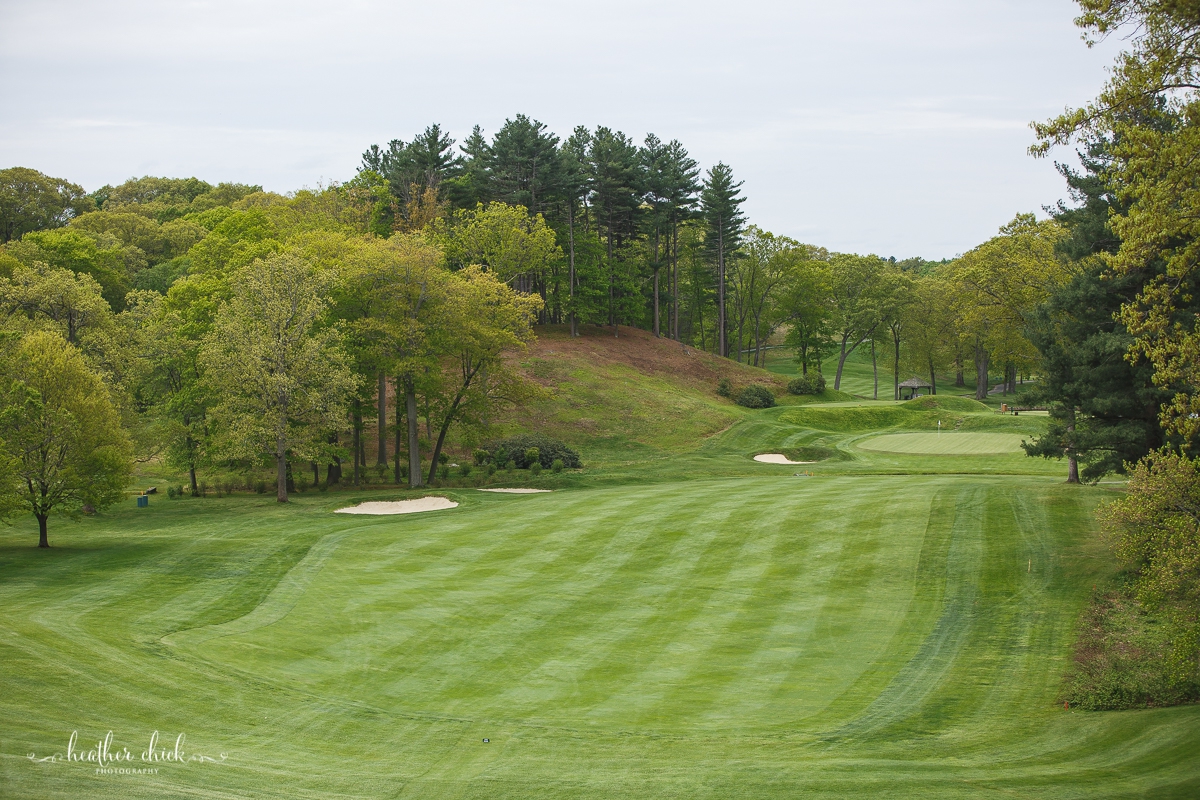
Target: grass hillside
[{"x": 629, "y": 397}]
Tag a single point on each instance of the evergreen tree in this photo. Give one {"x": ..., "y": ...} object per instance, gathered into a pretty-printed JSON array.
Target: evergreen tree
[
  {"x": 523, "y": 166},
  {"x": 616, "y": 194},
  {"x": 720, "y": 206}
]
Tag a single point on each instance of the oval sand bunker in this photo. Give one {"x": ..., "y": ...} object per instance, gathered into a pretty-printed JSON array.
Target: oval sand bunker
[
  {"x": 945, "y": 444},
  {"x": 778, "y": 458},
  {"x": 399, "y": 506},
  {"x": 517, "y": 491}
]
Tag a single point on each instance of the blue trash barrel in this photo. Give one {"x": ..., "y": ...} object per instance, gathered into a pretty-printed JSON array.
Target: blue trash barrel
[{"x": 143, "y": 501}]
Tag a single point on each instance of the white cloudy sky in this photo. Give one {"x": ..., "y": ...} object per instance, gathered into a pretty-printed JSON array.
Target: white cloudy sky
[{"x": 898, "y": 128}]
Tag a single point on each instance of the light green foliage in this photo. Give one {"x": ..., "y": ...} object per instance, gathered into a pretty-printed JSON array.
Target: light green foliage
[
  {"x": 281, "y": 376},
  {"x": 31, "y": 201},
  {"x": 62, "y": 436}
]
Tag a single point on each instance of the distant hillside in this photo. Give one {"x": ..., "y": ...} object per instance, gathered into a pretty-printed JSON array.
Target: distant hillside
[{"x": 630, "y": 396}]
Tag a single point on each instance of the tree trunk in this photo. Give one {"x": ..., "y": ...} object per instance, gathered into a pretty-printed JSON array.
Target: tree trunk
[
  {"x": 657, "y": 334},
  {"x": 399, "y": 427},
  {"x": 281, "y": 471},
  {"x": 960, "y": 378},
  {"x": 381, "y": 457},
  {"x": 414, "y": 452},
  {"x": 42, "y": 540},
  {"x": 837, "y": 379},
  {"x": 981, "y": 372},
  {"x": 675, "y": 280},
  {"x": 896, "y": 370},
  {"x": 1072, "y": 463},
  {"x": 192, "y": 478},
  {"x": 932, "y": 378},
  {"x": 316, "y": 468},
  {"x": 874, "y": 371},
  {"x": 722, "y": 344},
  {"x": 571, "y": 277},
  {"x": 356, "y": 422}
]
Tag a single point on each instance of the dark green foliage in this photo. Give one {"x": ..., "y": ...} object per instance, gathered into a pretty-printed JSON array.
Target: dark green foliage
[
  {"x": 465, "y": 469},
  {"x": 724, "y": 388},
  {"x": 755, "y": 396},
  {"x": 491, "y": 469},
  {"x": 510, "y": 465},
  {"x": 481, "y": 457},
  {"x": 557, "y": 466},
  {"x": 807, "y": 384},
  {"x": 531, "y": 456},
  {"x": 1104, "y": 410},
  {"x": 444, "y": 471},
  {"x": 517, "y": 448},
  {"x": 535, "y": 468}
]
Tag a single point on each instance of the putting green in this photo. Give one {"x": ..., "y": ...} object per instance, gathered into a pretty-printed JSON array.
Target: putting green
[
  {"x": 855, "y": 636},
  {"x": 945, "y": 443}
]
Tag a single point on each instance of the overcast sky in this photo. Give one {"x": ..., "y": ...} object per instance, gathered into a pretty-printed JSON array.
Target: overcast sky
[{"x": 898, "y": 128}]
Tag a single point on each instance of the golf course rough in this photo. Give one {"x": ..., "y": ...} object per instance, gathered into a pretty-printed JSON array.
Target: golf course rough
[{"x": 845, "y": 636}]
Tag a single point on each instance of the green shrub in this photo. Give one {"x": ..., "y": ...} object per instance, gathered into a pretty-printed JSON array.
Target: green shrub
[
  {"x": 517, "y": 448},
  {"x": 511, "y": 465},
  {"x": 172, "y": 492},
  {"x": 260, "y": 487},
  {"x": 465, "y": 469},
  {"x": 491, "y": 470},
  {"x": 482, "y": 457},
  {"x": 443, "y": 458},
  {"x": 444, "y": 471},
  {"x": 535, "y": 468},
  {"x": 532, "y": 455},
  {"x": 755, "y": 396},
  {"x": 724, "y": 388},
  {"x": 557, "y": 466},
  {"x": 807, "y": 384}
]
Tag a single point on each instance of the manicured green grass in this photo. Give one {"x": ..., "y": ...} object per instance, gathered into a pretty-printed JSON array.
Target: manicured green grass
[
  {"x": 949, "y": 443},
  {"x": 683, "y": 623}
]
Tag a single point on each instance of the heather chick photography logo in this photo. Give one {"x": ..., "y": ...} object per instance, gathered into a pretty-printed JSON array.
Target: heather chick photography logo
[{"x": 108, "y": 756}]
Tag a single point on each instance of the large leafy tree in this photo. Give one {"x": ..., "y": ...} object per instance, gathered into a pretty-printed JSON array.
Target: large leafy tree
[
  {"x": 31, "y": 201},
  {"x": 720, "y": 206},
  {"x": 62, "y": 435},
  {"x": 1150, "y": 113},
  {"x": 856, "y": 303},
  {"x": 480, "y": 319},
  {"x": 280, "y": 373}
]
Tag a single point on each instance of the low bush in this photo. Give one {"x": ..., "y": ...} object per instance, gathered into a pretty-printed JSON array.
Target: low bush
[
  {"x": 755, "y": 396},
  {"x": 557, "y": 466},
  {"x": 724, "y": 388},
  {"x": 511, "y": 465},
  {"x": 807, "y": 384},
  {"x": 481, "y": 457},
  {"x": 444, "y": 471},
  {"x": 491, "y": 470},
  {"x": 465, "y": 469},
  {"x": 518, "y": 448},
  {"x": 535, "y": 468}
]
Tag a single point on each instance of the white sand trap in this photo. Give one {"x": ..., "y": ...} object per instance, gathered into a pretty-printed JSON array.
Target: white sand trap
[
  {"x": 399, "y": 506},
  {"x": 778, "y": 458},
  {"x": 517, "y": 491}
]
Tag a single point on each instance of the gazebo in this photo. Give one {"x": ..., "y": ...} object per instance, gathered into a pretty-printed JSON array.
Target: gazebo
[{"x": 914, "y": 386}]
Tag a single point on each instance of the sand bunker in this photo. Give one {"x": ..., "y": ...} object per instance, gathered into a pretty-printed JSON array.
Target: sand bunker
[
  {"x": 399, "y": 506},
  {"x": 778, "y": 458},
  {"x": 517, "y": 491}
]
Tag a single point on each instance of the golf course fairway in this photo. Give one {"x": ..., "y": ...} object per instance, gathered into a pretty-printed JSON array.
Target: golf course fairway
[{"x": 782, "y": 636}]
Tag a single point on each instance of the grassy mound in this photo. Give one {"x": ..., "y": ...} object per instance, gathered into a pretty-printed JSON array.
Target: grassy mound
[
  {"x": 861, "y": 418},
  {"x": 627, "y": 397},
  {"x": 945, "y": 402}
]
